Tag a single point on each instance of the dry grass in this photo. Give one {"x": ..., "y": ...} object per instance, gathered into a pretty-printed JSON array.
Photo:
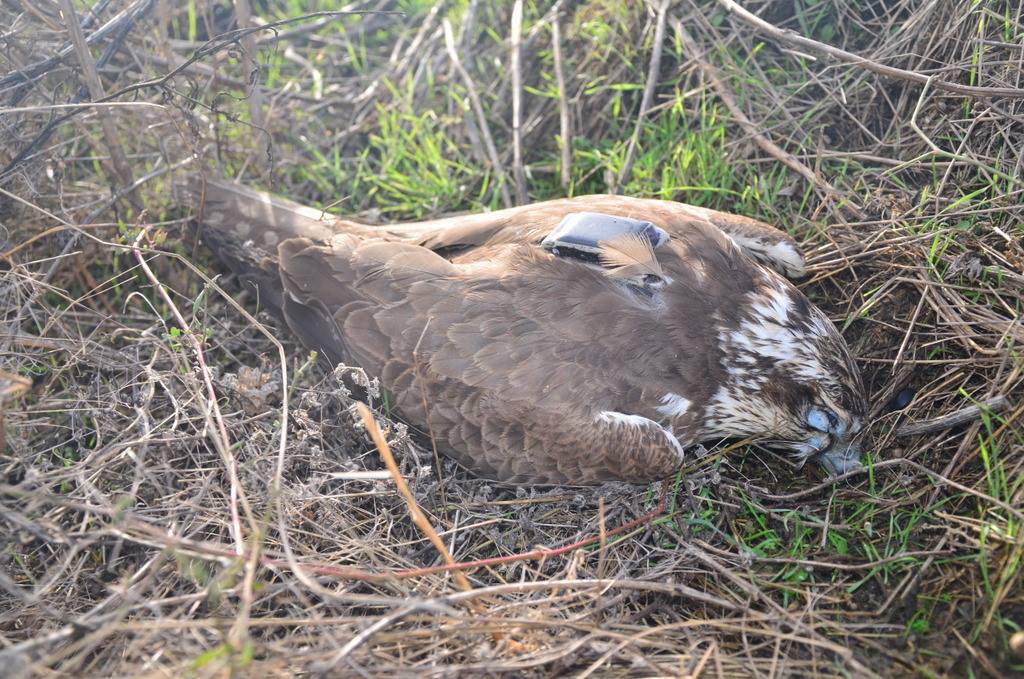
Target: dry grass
[{"x": 185, "y": 492}]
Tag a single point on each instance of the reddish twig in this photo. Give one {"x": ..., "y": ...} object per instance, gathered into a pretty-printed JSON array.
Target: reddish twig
[
  {"x": 160, "y": 537},
  {"x": 658, "y": 510}
]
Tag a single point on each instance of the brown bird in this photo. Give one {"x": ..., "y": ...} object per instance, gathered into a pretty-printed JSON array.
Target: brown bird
[{"x": 572, "y": 341}]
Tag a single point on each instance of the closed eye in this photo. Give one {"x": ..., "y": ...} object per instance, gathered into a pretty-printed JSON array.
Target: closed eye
[{"x": 822, "y": 419}]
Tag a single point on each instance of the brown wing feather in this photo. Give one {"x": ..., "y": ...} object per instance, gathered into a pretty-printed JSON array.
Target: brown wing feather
[
  {"x": 462, "y": 237},
  {"x": 508, "y": 392}
]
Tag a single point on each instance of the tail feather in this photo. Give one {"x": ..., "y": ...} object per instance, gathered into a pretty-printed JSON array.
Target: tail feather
[
  {"x": 243, "y": 227},
  {"x": 256, "y": 216}
]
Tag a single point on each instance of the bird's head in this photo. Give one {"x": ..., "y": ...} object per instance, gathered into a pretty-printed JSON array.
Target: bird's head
[{"x": 790, "y": 379}]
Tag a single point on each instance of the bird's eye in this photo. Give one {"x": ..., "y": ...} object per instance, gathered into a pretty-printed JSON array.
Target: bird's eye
[{"x": 822, "y": 419}]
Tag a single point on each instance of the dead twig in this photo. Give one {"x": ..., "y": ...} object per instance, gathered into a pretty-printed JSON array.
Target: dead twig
[
  {"x": 220, "y": 438},
  {"x": 115, "y": 23},
  {"x": 954, "y": 419},
  {"x": 120, "y": 168},
  {"x": 564, "y": 123},
  {"x": 515, "y": 58},
  {"x": 254, "y": 93},
  {"x": 794, "y": 38},
  {"x": 119, "y": 27},
  {"x": 653, "y": 70},
  {"x": 759, "y": 137},
  {"x": 478, "y": 111}
]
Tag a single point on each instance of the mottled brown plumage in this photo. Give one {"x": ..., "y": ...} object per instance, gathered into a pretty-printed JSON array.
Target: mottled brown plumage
[{"x": 531, "y": 367}]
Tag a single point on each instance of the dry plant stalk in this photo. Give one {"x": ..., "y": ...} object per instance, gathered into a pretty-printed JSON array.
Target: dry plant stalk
[
  {"x": 758, "y": 135},
  {"x": 119, "y": 161},
  {"x": 564, "y": 122},
  {"x": 478, "y": 111},
  {"x": 418, "y": 517},
  {"x": 220, "y": 435},
  {"x": 254, "y": 93},
  {"x": 948, "y": 421},
  {"x": 515, "y": 59},
  {"x": 653, "y": 71},
  {"x": 849, "y": 57},
  {"x": 11, "y": 386}
]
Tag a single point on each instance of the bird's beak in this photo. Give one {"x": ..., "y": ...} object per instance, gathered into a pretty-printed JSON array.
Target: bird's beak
[{"x": 841, "y": 458}]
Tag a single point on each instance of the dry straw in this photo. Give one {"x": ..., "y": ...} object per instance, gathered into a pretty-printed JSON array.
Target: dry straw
[{"x": 184, "y": 492}]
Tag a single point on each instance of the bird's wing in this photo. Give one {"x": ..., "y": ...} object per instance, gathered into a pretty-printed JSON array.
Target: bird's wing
[
  {"x": 763, "y": 242},
  {"x": 251, "y": 211},
  {"x": 459, "y": 236},
  {"x": 527, "y": 367}
]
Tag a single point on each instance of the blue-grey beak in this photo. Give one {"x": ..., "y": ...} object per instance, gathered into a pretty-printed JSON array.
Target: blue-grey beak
[{"x": 841, "y": 458}]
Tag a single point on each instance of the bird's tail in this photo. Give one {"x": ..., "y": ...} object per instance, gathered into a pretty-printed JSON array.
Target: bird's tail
[
  {"x": 243, "y": 228},
  {"x": 256, "y": 216}
]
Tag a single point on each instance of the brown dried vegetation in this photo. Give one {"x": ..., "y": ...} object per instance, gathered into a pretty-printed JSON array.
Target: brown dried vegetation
[{"x": 182, "y": 491}]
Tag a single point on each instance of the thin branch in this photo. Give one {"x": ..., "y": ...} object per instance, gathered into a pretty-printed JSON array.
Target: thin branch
[
  {"x": 759, "y": 137},
  {"x": 517, "y": 103},
  {"x": 221, "y": 439},
  {"x": 793, "y": 38},
  {"x": 144, "y": 532},
  {"x": 121, "y": 170},
  {"x": 478, "y": 111},
  {"x": 653, "y": 71},
  {"x": 942, "y": 153},
  {"x": 33, "y": 71},
  {"x": 254, "y": 94},
  {"x": 564, "y": 123},
  {"x": 954, "y": 419},
  {"x": 212, "y": 46}
]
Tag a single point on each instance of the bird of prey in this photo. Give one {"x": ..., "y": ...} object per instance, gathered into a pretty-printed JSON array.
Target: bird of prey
[{"x": 572, "y": 341}]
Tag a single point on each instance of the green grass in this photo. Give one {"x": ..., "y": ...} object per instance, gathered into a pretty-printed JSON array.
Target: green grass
[
  {"x": 413, "y": 163},
  {"x": 411, "y": 167}
]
